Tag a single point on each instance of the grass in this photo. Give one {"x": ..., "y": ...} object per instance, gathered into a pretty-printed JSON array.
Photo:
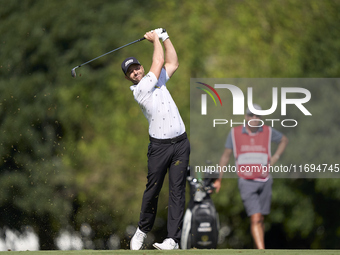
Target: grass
[{"x": 178, "y": 252}]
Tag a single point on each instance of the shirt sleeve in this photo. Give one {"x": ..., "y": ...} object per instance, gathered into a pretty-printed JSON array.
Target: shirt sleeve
[
  {"x": 163, "y": 78},
  {"x": 229, "y": 142},
  {"x": 276, "y": 136},
  {"x": 145, "y": 87}
]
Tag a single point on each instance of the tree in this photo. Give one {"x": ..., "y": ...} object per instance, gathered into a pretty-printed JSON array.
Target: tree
[{"x": 74, "y": 150}]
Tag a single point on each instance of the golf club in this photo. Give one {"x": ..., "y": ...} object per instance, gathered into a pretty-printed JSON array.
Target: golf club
[{"x": 73, "y": 72}]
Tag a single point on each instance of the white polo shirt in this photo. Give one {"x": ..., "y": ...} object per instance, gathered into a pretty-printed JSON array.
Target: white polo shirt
[{"x": 158, "y": 106}]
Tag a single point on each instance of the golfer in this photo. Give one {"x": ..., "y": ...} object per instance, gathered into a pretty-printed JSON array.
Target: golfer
[
  {"x": 169, "y": 147},
  {"x": 251, "y": 147}
]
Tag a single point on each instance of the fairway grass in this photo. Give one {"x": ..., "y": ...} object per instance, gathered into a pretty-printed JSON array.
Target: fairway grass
[{"x": 179, "y": 252}]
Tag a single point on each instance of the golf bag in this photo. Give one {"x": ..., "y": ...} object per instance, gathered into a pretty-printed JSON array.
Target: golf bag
[{"x": 201, "y": 221}]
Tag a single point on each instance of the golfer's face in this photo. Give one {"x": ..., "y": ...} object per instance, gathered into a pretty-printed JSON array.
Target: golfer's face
[
  {"x": 135, "y": 73},
  {"x": 255, "y": 120}
]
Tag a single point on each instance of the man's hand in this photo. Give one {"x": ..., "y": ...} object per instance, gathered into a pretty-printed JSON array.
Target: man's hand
[
  {"x": 274, "y": 159},
  {"x": 151, "y": 36},
  {"x": 162, "y": 34},
  {"x": 217, "y": 185}
]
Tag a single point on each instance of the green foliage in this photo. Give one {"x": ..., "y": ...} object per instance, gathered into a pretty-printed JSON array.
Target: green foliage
[
  {"x": 74, "y": 150},
  {"x": 184, "y": 252}
]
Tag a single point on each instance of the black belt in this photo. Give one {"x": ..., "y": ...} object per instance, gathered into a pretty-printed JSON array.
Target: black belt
[{"x": 169, "y": 141}]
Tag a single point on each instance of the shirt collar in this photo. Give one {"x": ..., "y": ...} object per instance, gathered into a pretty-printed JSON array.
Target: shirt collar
[
  {"x": 133, "y": 87},
  {"x": 244, "y": 130}
]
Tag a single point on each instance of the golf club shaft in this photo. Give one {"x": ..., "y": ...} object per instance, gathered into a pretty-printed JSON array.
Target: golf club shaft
[
  {"x": 73, "y": 71},
  {"x": 141, "y": 39}
]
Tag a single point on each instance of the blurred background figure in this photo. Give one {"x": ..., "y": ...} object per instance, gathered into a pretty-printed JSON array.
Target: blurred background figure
[{"x": 251, "y": 146}]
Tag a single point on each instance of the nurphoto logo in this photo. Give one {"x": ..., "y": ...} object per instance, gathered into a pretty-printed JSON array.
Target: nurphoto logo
[
  {"x": 238, "y": 103},
  {"x": 258, "y": 110}
]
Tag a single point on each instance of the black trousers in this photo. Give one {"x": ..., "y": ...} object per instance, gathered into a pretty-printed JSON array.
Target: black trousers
[{"x": 161, "y": 157}]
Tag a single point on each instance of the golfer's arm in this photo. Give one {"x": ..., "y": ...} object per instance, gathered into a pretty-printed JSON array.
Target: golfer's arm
[
  {"x": 171, "y": 59},
  {"x": 157, "y": 59},
  {"x": 224, "y": 160},
  {"x": 280, "y": 149}
]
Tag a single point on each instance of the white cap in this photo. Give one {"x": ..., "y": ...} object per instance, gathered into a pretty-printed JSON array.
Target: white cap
[{"x": 256, "y": 106}]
